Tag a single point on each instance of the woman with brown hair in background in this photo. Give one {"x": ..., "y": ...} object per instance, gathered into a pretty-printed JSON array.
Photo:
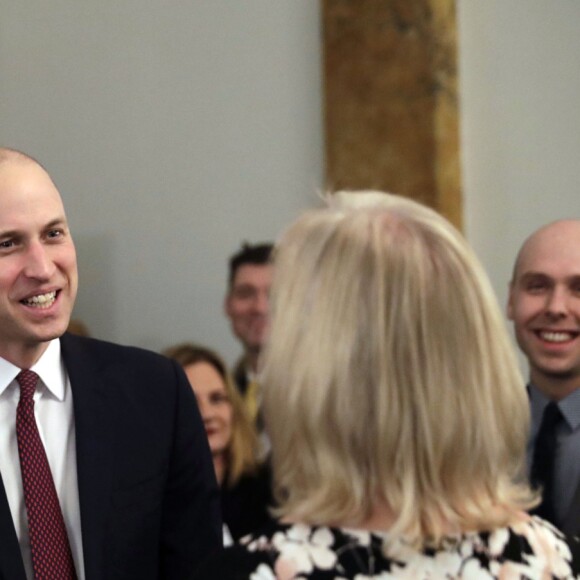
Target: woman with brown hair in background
[{"x": 243, "y": 479}]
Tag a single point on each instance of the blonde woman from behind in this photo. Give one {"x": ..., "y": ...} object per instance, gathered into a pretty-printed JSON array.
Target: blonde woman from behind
[{"x": 395, "y": 408}]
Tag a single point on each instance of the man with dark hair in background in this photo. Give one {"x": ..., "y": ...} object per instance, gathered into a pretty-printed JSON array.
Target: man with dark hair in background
[{"x": 246, "y": 305}]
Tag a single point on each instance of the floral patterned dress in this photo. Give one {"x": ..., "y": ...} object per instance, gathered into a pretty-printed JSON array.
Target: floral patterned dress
[{"x": 528, "y": 550}]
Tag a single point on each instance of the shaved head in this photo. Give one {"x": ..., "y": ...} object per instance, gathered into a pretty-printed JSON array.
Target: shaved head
[
  {"x": 544, "y": 305},
  {"x": 8, "y": 155},
  {"x": 560, "y": 229}
]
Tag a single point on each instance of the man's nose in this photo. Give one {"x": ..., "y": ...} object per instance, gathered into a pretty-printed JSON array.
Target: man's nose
[
  {"x": 39, "y": 264},
  {"x": 557, "y": 304},
  {"x": 262, "y": 302}
]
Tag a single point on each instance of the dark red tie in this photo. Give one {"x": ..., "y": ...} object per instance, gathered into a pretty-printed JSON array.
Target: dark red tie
[{"x": 51, "y": 554}]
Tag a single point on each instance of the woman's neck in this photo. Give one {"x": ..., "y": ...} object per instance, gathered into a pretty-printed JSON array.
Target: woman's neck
[
  {"x": 219, "y": 466},
  {"x": 381, "y": 518}
]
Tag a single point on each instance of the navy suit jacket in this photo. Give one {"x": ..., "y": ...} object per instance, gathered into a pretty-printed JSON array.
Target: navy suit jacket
[{"x": 149, "y": 503}]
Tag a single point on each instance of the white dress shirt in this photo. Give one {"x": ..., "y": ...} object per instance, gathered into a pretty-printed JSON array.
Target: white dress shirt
[{"x": 53, "y": 409}]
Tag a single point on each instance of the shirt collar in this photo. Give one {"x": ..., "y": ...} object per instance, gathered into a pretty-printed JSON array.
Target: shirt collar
[
  {"x": 569, "y": 406},
  {"x": 48, "y": 367}
]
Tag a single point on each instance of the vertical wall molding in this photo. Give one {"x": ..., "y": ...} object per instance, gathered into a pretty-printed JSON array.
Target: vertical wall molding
[{"x": 391, "y": 100}]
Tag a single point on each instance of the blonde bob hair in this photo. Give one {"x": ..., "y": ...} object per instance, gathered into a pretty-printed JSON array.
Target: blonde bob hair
[
  {"x": 242, "y": 450},
  {"x": 389, "y": 374}
]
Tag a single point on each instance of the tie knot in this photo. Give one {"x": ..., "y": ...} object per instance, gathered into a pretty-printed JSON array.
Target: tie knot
[
  {"x": 27, "y": 380},
  {"x": 552, "y": 415}
]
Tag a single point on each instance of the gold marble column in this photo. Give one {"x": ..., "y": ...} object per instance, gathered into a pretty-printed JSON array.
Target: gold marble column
[{"x": 391, "y": 110}]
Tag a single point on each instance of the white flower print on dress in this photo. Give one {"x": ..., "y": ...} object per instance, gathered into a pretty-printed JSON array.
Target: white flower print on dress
[
  {"x": 302, "y": 550},
  {"x": 418, "y": 566},
  {"x": 498, "y": 541},
  {"x": 529, "y": 549},
  {"x": 549, "y": 550},
  {"x": 362, "y": 537},
  {"x": 473, "y": 569},
  {"x": 263, "y": 572}
]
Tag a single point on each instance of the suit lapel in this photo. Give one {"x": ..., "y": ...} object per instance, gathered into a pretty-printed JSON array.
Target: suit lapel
[
  {"x": 94, "y": 447},
  {"x": 571, "y": 523},
  {"x": 11, "y": 565}
]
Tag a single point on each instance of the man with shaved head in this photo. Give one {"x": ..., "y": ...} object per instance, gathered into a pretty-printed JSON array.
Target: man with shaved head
[
  {"x": 104, "y": 463},
  {"x": 544, "y": 305}
]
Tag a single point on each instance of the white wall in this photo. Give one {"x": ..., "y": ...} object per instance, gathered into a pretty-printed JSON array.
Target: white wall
[
  {"x": 177, "y": 129},
  {"x": 520, "y": 93},
  {"x": 174, "y": 131}
]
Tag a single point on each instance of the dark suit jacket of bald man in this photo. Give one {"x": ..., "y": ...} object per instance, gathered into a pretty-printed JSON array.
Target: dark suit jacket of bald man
[{"x": 149, "y": 503}]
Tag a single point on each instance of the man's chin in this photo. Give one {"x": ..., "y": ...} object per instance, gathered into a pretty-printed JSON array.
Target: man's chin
[
  {"x": 254, "y": 346},
  {"x": 559, "y": 373},
  {"x": 48, "y": 332}
]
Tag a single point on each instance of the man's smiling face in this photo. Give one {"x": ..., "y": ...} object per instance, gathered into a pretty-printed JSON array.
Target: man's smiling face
[
  {"x": 247, "y": 304},
  {"x": 544, "y": 305},
  {"x": 38, "y": 269}
]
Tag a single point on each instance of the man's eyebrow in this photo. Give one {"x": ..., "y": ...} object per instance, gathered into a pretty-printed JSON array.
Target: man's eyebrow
[
  {"x": 534, "y": 274},
  {"x": 60, "y": 221}
]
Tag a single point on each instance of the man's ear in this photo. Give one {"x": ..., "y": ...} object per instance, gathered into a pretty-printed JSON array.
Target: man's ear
[{"x": 510, "y": 301}]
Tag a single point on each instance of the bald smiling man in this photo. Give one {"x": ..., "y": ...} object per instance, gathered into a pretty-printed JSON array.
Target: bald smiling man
[
  {"x": 544, "y": 305},
  {"x": 122, "y": 482}
]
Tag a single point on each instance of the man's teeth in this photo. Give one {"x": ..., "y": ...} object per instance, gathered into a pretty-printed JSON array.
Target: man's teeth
[
  {"x": 556, "y": 336},
  {"x": 42, "y": 300}
]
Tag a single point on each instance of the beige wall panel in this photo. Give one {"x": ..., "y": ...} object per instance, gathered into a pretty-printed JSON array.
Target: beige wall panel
[{"x": 391, "y": 99}]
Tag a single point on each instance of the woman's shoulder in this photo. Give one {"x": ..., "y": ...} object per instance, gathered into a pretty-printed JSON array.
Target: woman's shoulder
[
  {"x": 297, "y": 550},
  {"x": 534, "y": 543},
  {"x": 242, "y": 559},
  {"x": 528, "y": 549}
]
